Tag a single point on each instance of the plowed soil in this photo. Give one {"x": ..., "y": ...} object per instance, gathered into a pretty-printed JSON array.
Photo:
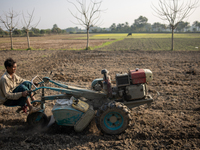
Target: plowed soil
[{"x": 171, "y": 122}]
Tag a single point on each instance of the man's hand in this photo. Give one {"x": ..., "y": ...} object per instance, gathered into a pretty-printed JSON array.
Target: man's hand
[
  {"x": 25, "y": 93},
  {"x": 36, "y": 84}
]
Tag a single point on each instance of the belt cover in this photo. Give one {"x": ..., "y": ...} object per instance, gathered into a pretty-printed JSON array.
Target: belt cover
[{"x": 85, "y": 119}]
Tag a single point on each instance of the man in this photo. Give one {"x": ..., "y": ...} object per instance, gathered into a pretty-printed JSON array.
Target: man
[{"x": 14, "y": 89}]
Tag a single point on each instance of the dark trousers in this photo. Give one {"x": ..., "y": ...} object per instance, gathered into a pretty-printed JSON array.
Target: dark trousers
[{"x": 25, "y": 86}]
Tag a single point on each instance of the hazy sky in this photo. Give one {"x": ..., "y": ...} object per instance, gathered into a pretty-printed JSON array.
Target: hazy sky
[{"x": 57, "y": 12}]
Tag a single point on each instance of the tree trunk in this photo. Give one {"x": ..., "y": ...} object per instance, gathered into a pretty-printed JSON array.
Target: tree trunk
[
  {"x": 172, "y": 48},
  {"x": 28, "y": 41},
  {"x": 87, "y": 47},
  {"x": 11, "y": 40}
]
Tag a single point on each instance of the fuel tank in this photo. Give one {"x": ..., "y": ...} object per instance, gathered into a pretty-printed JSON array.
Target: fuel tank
[{"x": 139, "y": 76}]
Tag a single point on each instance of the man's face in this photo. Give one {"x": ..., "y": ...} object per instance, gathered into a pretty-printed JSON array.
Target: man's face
[{"x": 12, "y": 69}]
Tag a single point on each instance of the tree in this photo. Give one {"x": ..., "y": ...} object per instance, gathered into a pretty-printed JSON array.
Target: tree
[
  {"x": 42, "y": 31},
  {"x": 187, "y": 26},
  {"x": 1, "y": 31},
  {"x": 55, "y": 29},
  {"x": 196, "y": 25},
  {"x": 119, "y": 27},
  {"x": 89, "y": 15},
  {"x": 126, "y": 27},
  {"x": 35, "y": 30},
  {"x": 156, "y": 27},
  {"x": 174, "y": 12},
  {"x": 113, "y": 27},
  {"x": 140, "y": 23},
  {"x": 17, "y": 31},
  {"x": 48, "y": 31},
  {"x": 28, "y": 26},
  {"x": 148, "y": 27},
  {"x": 55, "y": 26},
  {"x": 71, "y": 30},
  {"x": 63, "y": 31},
  {"x": 182, "y": 26},
  {"x": 9, "y": 23}
]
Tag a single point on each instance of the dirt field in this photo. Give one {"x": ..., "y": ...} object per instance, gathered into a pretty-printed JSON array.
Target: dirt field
[
  {"x": 171, "y": 122},
  {"x": 54, "y": 42}
]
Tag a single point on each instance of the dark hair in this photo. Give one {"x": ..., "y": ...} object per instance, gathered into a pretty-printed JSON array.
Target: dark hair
[{"x": 9, "y": 62}]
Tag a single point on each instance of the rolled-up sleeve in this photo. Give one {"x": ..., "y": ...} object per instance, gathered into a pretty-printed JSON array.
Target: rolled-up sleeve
[
  {"x": 19, "y": 80},
  {"x": 7, "y": 93}
]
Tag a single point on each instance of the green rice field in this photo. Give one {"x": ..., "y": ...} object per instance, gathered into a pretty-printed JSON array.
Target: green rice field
[
  {"x": 139, "y": 41},
  {"x": 144, "y": 35},
  {"x": 183, "y": 44}
]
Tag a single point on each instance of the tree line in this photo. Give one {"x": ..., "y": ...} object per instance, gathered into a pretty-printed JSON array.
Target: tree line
[
  {"x": 140, "y": 25},
  {"x": 34, "y": 31}
]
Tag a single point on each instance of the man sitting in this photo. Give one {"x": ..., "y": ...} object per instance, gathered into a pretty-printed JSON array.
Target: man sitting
[{"x": 14, "y": 89}]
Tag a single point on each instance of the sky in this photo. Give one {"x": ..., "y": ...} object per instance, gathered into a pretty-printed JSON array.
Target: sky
[{"x": 51, "y": 12}]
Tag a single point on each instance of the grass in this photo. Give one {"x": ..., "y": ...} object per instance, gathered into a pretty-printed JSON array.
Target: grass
[
  {"x": 145, "y": 35},
  {"x": 180, "y": 44},
  {"x": 150, "y": 41},
  {"x": 107, "y": 43},
  {"x": 1, "y": 67}
]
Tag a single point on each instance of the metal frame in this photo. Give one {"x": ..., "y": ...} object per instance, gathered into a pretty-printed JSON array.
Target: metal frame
[
  {"x": 94, "y": 98},
  {"x": 68, "y": 90}
]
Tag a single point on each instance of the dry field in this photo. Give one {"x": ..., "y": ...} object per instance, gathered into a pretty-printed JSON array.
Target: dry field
[
  {"x": 171, "y": 122},
  {"x": 53, "y": 42}
]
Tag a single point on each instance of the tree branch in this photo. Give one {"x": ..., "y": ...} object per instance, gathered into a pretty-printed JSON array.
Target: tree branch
[{"x": 90, "y": 14}]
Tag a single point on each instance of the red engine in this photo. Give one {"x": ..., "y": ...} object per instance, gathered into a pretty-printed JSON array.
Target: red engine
[
  {"x": 129, "y": 86},
  {"x": 137, "y": 76}
]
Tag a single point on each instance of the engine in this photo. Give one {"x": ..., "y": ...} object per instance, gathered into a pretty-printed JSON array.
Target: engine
[{"x": 129, "y": 86}]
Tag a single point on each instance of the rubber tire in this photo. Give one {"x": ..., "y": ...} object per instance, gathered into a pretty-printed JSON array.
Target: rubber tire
[
  {"x": 116, "y": 109},
  {"x": 31, "y": 119},
  {"x": 100, "y": 84}
]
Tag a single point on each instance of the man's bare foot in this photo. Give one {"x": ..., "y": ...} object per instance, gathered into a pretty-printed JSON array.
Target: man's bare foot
[
  {"x": 32, "y": 98},
  {"x": 34, "y": 109},
  {"x": 30, "y": 108}
]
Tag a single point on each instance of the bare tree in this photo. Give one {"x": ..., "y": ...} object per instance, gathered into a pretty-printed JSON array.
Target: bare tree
[
  {"x": 174, "y": 11},
  {"x": 9, "y": 23},
  {"x": 88, "y": 15},
  {"x": 27, "y": 25}
]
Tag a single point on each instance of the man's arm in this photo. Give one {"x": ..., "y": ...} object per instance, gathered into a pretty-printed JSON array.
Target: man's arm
[
  {"x": 6, "y": 91},
  {"x": 19, "y": 80}
]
